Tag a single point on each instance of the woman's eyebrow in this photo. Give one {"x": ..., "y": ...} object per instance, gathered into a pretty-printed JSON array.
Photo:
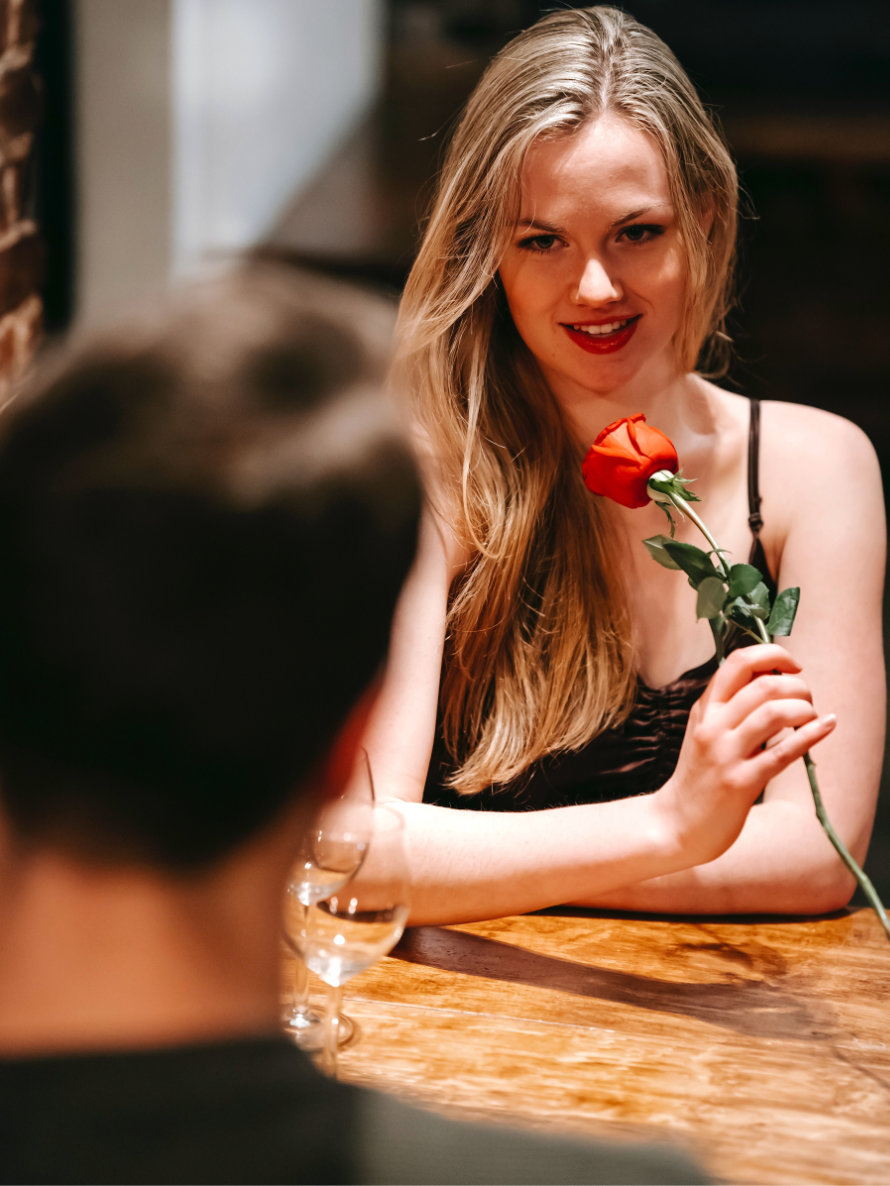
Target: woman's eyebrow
[
  {"x": 538, "y": 225},
  {"x": 660, "y": 208}
]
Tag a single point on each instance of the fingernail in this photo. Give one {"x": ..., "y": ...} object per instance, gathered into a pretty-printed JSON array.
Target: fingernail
[{"x": 829, "y": 719}]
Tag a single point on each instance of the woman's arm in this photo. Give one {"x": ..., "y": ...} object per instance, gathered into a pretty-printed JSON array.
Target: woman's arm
[
  {"x": 468, "y": 865},
  {"x": 823, "y": 501},
  {"x": 401, "y": 729}
]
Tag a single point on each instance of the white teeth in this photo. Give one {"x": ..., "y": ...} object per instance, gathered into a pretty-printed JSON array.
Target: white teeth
[{"x": 596, "y": 331}]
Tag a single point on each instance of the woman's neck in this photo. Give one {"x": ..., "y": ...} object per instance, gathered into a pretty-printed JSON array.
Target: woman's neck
[{"x": 683, "y": 409}]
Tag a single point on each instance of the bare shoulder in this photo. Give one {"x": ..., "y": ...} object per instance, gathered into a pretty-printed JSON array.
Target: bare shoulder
[
  {"x": 816, "y": 465},
  {"x": 439, "y": 534},
  {"x": 439, "y": 547},
  {"x": 812, "y": 440}
]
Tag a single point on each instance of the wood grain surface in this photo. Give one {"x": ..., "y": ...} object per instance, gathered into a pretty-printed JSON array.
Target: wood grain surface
[{"x": 760, "y": 1045}]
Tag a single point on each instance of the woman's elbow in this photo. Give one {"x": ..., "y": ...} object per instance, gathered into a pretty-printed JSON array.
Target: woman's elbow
[{"x": 829, "y": 888}]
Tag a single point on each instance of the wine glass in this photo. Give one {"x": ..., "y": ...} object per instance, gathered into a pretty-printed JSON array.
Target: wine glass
[
  {"x": 350, "y": 930},
  {"x": 331, "y": 852}
]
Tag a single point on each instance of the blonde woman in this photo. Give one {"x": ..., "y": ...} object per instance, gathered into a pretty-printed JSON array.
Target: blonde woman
[{"x": 551, "y": 713}]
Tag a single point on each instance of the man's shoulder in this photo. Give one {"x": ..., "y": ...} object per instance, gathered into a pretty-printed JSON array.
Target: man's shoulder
[
  {"x": 399, "y": 1143},
  {"x": 252, "y": 1110},
  {"x": 256, "y": 1110}
]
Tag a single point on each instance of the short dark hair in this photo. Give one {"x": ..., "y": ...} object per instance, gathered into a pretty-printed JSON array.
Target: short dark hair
[{"x": 205, "y": 519}]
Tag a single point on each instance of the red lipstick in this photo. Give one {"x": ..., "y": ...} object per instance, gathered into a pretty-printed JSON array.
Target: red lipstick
[{"x": 604, "y": 343}]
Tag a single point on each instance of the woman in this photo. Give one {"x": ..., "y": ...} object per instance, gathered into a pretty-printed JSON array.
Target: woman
[{"x": 576, "y": 269}]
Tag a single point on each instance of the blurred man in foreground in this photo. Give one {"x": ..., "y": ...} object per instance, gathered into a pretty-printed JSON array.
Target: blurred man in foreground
[{"x": 204, "y": 522}]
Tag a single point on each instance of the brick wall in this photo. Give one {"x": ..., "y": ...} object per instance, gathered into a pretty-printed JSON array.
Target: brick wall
[{"x": 21, "y": 254}]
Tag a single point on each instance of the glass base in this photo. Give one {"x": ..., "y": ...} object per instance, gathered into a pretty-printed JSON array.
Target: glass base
[{"x": 305, "y": 1027}]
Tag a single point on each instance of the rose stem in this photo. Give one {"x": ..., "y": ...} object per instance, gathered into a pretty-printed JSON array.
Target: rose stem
[{"x": 864, "y": 881}]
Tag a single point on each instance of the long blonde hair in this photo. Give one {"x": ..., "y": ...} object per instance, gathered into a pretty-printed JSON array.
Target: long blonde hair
[{"x": 538, "y": 653}]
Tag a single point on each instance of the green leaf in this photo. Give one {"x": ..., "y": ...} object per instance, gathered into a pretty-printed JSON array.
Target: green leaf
[
  {"x": 711, "y": 598},
  {"x": 758, "y": 598},
  {"x": 743, "y": 609},
  {"x": 697, "y": 564},
  {"x": 656, "y": 548},
  {"x": 782, "y": 618},
  {"x": 741, "y": 614},
  {"x": 743, "y": 578}
]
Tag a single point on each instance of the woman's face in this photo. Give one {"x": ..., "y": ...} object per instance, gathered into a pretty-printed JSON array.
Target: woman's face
[{"x": 595, "y": 272}]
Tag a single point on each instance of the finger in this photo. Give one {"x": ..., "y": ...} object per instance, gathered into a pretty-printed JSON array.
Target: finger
[
  {"x": 761, "y": 690},
  {"x": 763, "y": 724},
  {"x": 777, "y": 737},
  {"x": 768, "y": 763},
  {"x": 744, "y": 665}
]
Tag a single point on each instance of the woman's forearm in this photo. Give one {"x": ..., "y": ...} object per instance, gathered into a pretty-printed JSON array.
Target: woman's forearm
[
  {"x": 781, "y": 863},
  {"x": 628, "y": 855},
  {"x": 470, "y": 865}
]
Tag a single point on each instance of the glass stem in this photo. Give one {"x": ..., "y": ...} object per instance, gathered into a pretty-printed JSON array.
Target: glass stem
[
  {"x": 331, "y": 1032},
  {"x": 300, "y": 990},
  {"x": 300, "y": 982}
]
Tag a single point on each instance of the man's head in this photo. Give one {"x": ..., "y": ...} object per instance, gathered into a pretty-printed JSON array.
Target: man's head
[{"x": 204, "y": 521}]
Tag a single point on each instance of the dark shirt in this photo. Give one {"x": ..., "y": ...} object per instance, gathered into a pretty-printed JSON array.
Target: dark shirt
[
  {"x": 256, "y": 1111},
  {"x": 635, "y": 758}
]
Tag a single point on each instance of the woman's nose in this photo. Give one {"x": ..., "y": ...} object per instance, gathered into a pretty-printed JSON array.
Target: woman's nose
[{"x": 597, "y": 284}]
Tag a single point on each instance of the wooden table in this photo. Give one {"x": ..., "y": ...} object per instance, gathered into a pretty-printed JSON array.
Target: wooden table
[{"x": 760, "y": 1045}]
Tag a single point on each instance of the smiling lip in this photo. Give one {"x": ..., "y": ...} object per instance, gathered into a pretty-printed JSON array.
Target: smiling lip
[{"x": 604, "y": 337}]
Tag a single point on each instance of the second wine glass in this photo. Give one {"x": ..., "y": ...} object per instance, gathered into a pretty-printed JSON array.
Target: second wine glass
[
  {"x": 353, "y": 928},
  {"x": 331, "y": 852}
]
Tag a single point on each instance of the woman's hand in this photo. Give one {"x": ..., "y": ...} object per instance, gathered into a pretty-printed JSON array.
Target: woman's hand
[{"x": 754, "y": 719}]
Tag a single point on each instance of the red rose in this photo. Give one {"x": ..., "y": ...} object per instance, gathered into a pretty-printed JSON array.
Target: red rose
[{"x": 624, "y": 457}]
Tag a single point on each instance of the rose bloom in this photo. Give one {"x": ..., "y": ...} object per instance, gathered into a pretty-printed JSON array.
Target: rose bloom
[{"x": 624, "y": 457}]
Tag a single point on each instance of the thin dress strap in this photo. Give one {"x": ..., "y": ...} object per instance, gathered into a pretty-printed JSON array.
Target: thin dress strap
[{"x": 755, "y": 519}]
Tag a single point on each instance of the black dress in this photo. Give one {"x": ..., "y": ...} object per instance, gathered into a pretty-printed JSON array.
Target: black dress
[{"x": 635, "y": 758}]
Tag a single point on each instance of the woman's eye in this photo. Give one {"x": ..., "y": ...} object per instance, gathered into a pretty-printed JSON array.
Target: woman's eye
[
  {"x": 640, "y": 232},
  {"x": 538, "y": 242}
]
